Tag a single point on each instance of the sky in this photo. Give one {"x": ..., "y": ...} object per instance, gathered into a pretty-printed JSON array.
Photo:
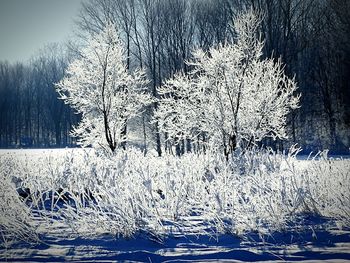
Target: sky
[{"x": 28, "y": 25}]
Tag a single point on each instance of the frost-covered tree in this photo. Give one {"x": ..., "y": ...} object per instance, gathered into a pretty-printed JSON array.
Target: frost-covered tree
[
  {"x": 99, "y": 86},
  {"x": 232, "y": 97}
]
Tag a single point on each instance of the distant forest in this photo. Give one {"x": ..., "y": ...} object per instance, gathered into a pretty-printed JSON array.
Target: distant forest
[{"x": 311, "y": 37}]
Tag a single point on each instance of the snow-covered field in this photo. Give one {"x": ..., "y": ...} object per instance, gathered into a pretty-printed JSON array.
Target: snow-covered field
[{"x": 75, "y": 204}]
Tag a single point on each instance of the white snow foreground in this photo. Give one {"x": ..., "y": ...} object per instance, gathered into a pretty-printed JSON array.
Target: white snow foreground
[{"x": 259, "y": 197}]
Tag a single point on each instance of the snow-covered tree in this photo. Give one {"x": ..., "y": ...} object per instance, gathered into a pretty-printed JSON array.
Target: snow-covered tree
[
  {"x": 99, "y": 86},
  {"x": 232, "y": 97}
]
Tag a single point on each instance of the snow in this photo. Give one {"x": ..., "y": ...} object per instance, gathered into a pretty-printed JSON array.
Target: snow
[
  {"x": 329, "y": 246},
  {"x": 268, "y": 207}
]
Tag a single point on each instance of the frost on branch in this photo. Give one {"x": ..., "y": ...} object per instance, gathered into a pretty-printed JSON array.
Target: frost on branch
[
  {"x": 99, "y": 86},
  {"x": 232, "y": 97}
]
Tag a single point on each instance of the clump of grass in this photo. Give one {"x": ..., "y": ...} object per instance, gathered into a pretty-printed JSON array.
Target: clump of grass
[{"x": 16, "y": 219}]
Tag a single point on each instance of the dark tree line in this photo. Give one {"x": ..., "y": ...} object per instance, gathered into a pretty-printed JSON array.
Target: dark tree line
[
  {"x": 30, "y": 113},
  {"x": 311, "y": 37}
]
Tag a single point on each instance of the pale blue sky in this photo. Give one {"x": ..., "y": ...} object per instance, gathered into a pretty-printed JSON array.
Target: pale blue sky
[{"x": 27, "y": 25}]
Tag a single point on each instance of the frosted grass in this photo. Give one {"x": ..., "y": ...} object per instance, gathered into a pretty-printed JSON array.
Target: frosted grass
[{"x": 87, "y": 193}]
